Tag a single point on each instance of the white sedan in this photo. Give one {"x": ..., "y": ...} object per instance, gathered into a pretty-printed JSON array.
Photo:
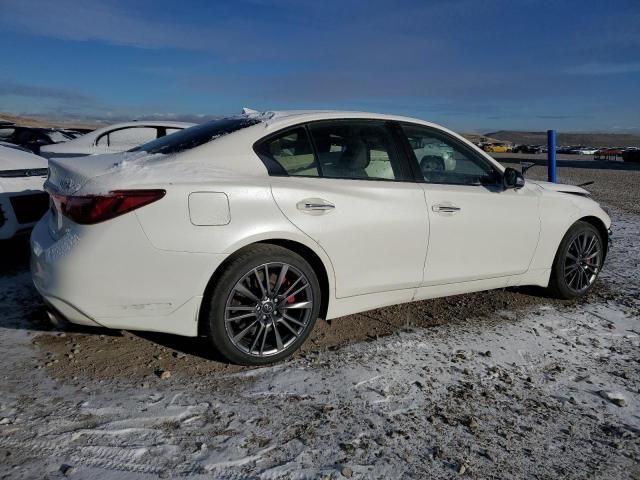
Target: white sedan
[
  {"x": 248, "y": 228},
  {"x": 118, "y": 137},
  {"x": 22, "y": 200}
]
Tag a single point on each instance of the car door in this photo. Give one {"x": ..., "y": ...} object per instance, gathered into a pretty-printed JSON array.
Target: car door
[
  {"x": 478, "y": 230},
  {"x": 344, "y": 184}
]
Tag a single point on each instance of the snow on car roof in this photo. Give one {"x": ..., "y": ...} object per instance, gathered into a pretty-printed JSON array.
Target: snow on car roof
[{"x": 278, "y": 117}]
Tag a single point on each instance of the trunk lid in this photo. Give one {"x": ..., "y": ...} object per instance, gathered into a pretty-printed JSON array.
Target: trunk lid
[{"x": 68, "y": 175}]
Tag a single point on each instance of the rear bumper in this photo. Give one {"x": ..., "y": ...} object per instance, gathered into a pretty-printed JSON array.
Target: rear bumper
[
  {"x": 110, "y": 275},
  {"x": 61, "y": 310}
]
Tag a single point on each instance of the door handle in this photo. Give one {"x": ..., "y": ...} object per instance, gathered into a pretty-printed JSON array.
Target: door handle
[
  {"x": 445, "y": 208},
  {"x": 315, "y": 206}
]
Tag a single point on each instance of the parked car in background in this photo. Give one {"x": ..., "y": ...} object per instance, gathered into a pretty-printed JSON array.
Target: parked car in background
[
  {"x": 565, "y": 149},
  {"x": 610, "y": 154},
  {"x": 586, "y": 150},
  {"x": 34, "y": 138},
  {"x": 526, "y": 149},
  {"x": 247, "y": 229},
  {"x": 580, "y": 150},
  {"x": 631, "y": 154},
  {"x": 114, "y": 138},
  {"x": 15, "y": 147},
  {"x": 496, "y": 147},
  {"x": 22, "y": 199}
]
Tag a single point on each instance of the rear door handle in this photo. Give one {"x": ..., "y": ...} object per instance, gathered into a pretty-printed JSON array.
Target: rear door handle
[
  {"x": 315, "y": 206},
  {"x": 445, "y": 208}
]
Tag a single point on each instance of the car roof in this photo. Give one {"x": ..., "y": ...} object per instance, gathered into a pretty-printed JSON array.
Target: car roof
[
  {"x": 89, "y": 138},
  {"x": 227, "y": 149},
  {"x": 275, "y": 120},
  {"x": 136, "y": 123},
  {"x": 289, "y": 116},
  {"x": 230, "y": 155}
]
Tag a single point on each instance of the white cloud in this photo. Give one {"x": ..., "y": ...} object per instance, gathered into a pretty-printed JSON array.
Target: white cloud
[{"x": 95, "y": 20}]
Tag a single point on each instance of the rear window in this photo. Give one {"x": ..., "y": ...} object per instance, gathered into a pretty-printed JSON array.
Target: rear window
[{"x": 196, "y": 136}]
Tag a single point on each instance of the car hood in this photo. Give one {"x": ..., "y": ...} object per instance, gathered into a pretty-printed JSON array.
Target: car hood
[{"x": 560, "y": 187}]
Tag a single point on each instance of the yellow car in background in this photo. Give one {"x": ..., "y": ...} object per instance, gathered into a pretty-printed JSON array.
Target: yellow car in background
[{"x": 496, "y": 148}]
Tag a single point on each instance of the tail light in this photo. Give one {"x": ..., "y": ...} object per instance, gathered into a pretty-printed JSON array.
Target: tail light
[{"x": 91, "y": 209}]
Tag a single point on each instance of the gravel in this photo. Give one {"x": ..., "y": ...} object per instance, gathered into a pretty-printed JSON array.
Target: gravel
[{"x": 504, "y": 384}]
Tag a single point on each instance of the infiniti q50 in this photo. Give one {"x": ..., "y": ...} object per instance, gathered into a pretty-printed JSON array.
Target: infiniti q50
[{"x": 247, "y": 229}]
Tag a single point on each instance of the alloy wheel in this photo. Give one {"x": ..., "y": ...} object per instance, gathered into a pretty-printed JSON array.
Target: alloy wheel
[
  {"x": 583, "y": 261},
  {"x": 268, "y": 309}
]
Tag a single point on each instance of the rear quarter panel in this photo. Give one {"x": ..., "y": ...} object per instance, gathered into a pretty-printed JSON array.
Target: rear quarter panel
[{"x": 253, "y": 217}]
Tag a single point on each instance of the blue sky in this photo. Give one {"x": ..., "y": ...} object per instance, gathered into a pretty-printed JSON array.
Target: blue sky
[{"x": 473, "y": 65}]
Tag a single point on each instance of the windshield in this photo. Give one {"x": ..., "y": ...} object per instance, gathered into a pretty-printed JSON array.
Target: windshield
[{"x": 195, "y": 136}]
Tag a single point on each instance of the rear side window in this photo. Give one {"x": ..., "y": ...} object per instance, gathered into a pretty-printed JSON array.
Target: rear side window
[
  {"x": 355, "y": 149},
  {"x": 292, "y": 151},
  {"x": 349, "y": 149},
  {"x": 195, "y": 136},
  {"x": 126, "y": 138}
]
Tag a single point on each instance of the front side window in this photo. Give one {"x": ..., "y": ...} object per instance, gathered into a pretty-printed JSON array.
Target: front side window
[{"x": 443, "y": 160}]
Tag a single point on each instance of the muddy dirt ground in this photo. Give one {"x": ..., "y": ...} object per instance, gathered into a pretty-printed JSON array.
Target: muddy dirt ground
[
  {"x": 144, "y": 354},
  {"x": 416, "y": 374}
]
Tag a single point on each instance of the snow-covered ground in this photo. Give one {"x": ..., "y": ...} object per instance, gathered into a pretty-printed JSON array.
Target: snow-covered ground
[{"x": 549, "y": 393}]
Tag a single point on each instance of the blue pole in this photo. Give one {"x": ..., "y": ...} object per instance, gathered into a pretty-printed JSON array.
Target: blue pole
[{"x": 551, "y": 156}]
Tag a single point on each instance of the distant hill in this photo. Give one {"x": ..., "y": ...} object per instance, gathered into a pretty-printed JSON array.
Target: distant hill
[
  {"x": 589, "y": 139},
  {"x": 45, "y": 122}
]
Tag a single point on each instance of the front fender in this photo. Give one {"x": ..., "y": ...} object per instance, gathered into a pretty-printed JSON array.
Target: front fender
[{"x": 558, "y": 212}]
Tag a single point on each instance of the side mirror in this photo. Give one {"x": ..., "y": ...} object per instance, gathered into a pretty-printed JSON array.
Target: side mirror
[{"x": 512, "y": 178}]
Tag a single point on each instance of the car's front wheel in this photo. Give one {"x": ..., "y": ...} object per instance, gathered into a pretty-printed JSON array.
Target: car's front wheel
[
  {"x": 264, "y": 305},
  {"x": 578, "y": 261}
]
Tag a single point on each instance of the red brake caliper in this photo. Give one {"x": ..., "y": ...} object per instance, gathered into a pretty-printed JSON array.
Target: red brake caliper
[{"x": 292, "y": 298}]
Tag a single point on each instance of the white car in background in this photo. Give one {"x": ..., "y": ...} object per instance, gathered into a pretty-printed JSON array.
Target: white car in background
[
  {"x": 22, "y": 199},
  {"x": 246, "y": 229},
  {"x": 114, "y": 138},
  {"x": 587, "y": 151}
]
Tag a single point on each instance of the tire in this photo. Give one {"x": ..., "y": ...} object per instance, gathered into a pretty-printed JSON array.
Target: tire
[
  {"x": 249, "y": 322},
  {"x": 577, "y": 264}
]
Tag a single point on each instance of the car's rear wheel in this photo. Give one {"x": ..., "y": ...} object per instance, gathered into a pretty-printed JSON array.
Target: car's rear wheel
[
  {"x": 264, "y": 305},
  {"x": 578, "y": 261}
]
